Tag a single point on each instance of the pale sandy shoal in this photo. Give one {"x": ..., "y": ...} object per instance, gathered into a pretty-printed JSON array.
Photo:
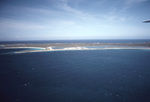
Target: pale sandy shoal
[
  {"x": 23, "y": 47},
  {"x": 71, "y": 49}
]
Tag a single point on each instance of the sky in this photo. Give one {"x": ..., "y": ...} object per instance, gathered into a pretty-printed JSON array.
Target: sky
[{"x": 74, "y": 19}]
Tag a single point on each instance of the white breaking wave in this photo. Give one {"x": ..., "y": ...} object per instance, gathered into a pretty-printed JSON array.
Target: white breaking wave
[
  {"x": 49, "y": 48},
  {"x": 75, "y": 48}
]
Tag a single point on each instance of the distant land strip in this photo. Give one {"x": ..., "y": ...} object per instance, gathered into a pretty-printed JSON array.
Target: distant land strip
[{"x": 45, "y": 45}]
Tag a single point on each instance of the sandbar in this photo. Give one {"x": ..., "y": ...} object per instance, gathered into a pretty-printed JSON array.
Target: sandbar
[{"x": 73, "y": 46}]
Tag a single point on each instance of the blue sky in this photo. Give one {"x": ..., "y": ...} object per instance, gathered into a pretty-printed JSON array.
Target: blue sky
[{"x": 74, "y": 19}]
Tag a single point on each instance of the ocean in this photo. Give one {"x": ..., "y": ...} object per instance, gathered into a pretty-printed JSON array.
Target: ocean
[
  {"x": 81, "y": 41},
  {"x": 110, "y": 75}
]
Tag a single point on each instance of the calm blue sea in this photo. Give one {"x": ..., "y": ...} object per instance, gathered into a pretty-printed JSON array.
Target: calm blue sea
[{"x": 115, "y": 75}]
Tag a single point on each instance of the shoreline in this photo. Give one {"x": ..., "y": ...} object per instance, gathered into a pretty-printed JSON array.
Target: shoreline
[
  {"x": 81, "y": 49},
  {"x": 32, "y": 47}
]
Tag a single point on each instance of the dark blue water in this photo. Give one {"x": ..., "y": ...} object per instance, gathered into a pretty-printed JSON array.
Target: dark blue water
[
  {"x": 76, "y": 76},
  {"x": 81, "y": 41}
]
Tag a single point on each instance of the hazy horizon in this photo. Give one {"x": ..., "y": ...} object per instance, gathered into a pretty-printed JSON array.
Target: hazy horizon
[{"x": 69, "y": 39}]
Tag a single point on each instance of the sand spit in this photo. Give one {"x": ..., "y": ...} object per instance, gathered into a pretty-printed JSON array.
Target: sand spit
[
  {"x": 32, "y": 47},
  {"x": 79, "y": 48},
  {"x": 23, "y": 47}
]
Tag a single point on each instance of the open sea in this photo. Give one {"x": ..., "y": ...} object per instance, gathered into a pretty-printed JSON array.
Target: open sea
[{"x": 110, "y": 75}]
